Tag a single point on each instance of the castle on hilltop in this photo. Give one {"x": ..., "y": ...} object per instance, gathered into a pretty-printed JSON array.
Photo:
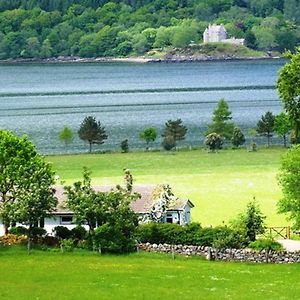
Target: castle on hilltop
[{"x": 217, "y": 33}]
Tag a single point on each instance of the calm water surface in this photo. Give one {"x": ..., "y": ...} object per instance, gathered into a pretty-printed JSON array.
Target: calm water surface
[{"x": 40, "y": 99}]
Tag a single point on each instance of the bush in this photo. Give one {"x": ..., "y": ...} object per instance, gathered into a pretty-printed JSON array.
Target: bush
[
  {"x": 192, "y": 234},
  {"x": 168, "y": 143},
  {"x": 50, "y": 241},
  {"x": 62, "y": 232},
  {"x": 124, "y": 146},
  {"x": 113, "y": 239},
  {"x": 79, "y": 233},
  {"x": 67, "y": 245},
  {"x": 12, "y": 239},
  {"x": 38, "y": 232},
  {"x": 19, "y": 230},
  {"x": 229, "y": 238},
  {"x": 266, "y": 244}
]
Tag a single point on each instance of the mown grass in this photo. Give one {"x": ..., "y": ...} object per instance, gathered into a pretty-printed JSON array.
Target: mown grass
[
  {"x": 85, "y": 275},
  {"x": 219, "y": 184}
]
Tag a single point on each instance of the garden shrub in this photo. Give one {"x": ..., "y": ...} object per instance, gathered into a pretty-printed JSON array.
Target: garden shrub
[
  {"x": 19, "y": 230},
  {"x": 67, "y": 245},
  {"x": 12, "y": 239},
  {"x": 113, "y": 239},
  {"x": 79, "y": 233},
  {"x": 50, "y": 241},
  {"x": 192, "y": 234},
  {"x": 229, "y": 238},
  {"x": 62, "y": 232},
  {"x": 266, "y": 244},
  {"x": 38, "y": 231}
]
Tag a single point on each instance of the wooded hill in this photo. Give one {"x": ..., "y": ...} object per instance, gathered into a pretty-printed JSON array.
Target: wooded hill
[{"x": 93, "y": 28}]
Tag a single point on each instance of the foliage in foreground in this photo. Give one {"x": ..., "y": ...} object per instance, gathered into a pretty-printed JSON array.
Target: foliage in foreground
[
  {"x": 266, "y": 244},
  {"x": 288, "y": 88},
  {"x": 26, "y": 182},
  {"x": 289, "y": 180},
  {"x": 110, "y": 219}
]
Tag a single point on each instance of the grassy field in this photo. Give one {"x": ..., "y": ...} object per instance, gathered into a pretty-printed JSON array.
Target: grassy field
[
  {"x": 219, "y": 184},
  {"x": 85, "y": 275}
]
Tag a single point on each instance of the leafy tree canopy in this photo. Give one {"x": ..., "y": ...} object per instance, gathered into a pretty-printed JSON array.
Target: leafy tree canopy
[
  {"x": 289, "y": 90},
  {"x": 289, "y": 180},
  {"x": 282, "y": 126},
  {"x": 26, "y": 181},
  {"x": 66, "y": 135},
  {"x": 148, "y": 135}
]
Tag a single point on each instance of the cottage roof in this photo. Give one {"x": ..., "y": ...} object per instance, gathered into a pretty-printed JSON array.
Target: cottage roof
[{"x": 141, "y": 205}]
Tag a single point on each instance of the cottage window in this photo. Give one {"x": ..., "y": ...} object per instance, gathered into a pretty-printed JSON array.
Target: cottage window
[
  {"x": 169, "y": 218},
  {"x": 66, "y": 220}
]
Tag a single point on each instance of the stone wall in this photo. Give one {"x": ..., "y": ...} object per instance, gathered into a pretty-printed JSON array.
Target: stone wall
[{"x": 242, "y": 255}]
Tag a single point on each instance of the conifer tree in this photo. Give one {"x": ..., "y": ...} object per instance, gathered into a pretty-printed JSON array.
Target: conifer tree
[
  {"x": 92, "y": 131},
  {"x": 221, "y": 121}
]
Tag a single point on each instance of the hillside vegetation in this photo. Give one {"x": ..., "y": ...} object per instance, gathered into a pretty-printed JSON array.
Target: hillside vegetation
[{"x": 93, "y": 28}]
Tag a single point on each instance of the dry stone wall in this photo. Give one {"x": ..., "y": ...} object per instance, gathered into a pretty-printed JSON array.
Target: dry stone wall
[{"x": 241, "y": 255}]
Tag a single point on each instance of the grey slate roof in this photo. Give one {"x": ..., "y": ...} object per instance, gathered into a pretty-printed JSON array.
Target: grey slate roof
[{"x": 140, "y": 206}]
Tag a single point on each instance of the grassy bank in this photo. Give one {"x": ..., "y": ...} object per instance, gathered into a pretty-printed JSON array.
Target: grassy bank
[
  {"x": 85, "y": 275},
  {"x": 219, "y": 184}
]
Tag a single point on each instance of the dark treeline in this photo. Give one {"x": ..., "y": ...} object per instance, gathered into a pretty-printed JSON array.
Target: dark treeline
[{"x": 90, "y": 28}]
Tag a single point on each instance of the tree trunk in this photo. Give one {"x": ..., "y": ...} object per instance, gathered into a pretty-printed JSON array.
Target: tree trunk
[
  {"x": 284, "y": 141},
  {"x": 29, "y": 240},
  {"x": 5, "y": 229},
  {"x": 90, "y": 147}
]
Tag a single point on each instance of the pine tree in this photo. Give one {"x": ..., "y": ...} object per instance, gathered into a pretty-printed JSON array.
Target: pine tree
[
  {"x": 91, "y": 131},
  {"x": 265, "y": 126},
  {"x": 175, "y": 129},
  {"x": 221, "y": 121}
]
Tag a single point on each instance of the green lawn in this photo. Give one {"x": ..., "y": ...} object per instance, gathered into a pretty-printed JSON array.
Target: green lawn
[
  {"x": 219, "y": 184},
  {"x": 85, "y": 275}
]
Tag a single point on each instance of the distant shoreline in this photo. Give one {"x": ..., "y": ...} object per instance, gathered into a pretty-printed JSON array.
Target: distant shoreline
[{"x": 139, "y": 60}]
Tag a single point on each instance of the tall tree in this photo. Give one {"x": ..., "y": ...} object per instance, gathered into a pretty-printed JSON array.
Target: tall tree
[
  {"x": 265, "y": 126},
  {"x": 175, "y": 129},
  {"x": 107, "y": 212},
  {"x": 288, "y": 87},
  {"x": 221, "y": 121},
  {"x": 289, "y": 180},
  {"x": 282, "y": 126},
  {"x": 148, "y": 135},
  {"x": 26, "y": 180},
  {"x": 92, "y": 132}
]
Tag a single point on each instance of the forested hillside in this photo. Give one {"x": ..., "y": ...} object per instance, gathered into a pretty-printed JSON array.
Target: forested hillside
[{"x": 90, "y": 28}]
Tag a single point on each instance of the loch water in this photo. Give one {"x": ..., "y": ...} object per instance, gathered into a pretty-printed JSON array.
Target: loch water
[{"x": 40, "y": 99}]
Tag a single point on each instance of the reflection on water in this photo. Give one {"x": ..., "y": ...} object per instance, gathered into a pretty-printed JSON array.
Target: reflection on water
[{"x": 40, "y": 99}]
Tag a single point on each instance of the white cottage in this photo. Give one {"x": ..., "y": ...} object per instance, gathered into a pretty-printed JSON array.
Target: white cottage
[{"x": 178, "y": 210}]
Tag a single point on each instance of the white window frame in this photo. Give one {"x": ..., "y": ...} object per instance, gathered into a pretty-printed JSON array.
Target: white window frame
[{"x": 66, "y": 222}]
